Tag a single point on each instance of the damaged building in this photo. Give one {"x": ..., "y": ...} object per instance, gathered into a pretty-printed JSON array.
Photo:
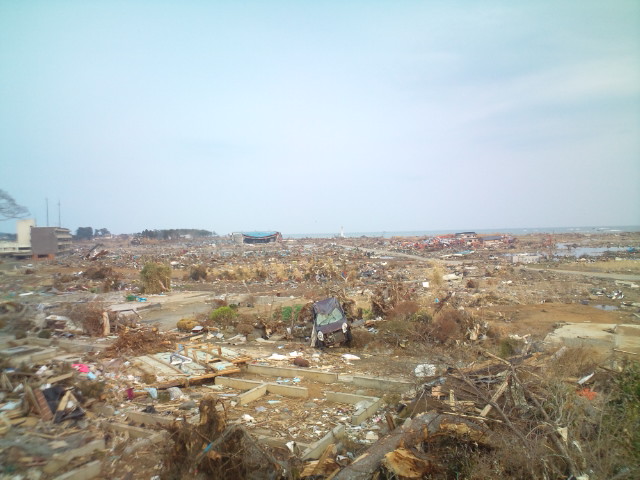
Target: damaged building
[{"x": 261, "y": 237}]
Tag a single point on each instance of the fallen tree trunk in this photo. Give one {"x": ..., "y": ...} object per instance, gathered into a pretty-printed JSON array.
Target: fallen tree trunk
[{"x": 410, "y": 433}]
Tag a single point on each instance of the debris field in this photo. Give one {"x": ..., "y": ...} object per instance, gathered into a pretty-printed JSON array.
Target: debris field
[{"x": 466, "y": 358}]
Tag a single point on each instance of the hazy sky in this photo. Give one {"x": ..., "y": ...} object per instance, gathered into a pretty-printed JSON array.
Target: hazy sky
[{"x": 303, "y": 116}]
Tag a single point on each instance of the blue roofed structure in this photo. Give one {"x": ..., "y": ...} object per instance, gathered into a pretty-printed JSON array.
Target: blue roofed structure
[{"x": 261, "y": 237}]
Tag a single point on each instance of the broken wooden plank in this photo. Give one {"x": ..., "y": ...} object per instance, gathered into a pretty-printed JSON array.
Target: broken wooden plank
[
  {"x": 85, "y": 472},
  {"x": 149, "y": 419},
  {"x": 59, "y": 378},
  {"x": 326, "y": 463},
  {"x": 405, "y": 464},
  {"x": 133, "y": 432},
  {"x": 410, "y": 433},
  {"x": 501, "y": 389},
  {"x": 40, "y": 403},
  {"x": 59, "y": 460}
]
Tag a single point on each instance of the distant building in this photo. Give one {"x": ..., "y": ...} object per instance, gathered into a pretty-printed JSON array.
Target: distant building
[
  {"x": 22, "y": 246},
  {"x": 261, "y": 237},
  {"x": 49, "y": 241},
  {"x": 526, "y": 258},
  {"x": 491, "y": 240},
  {"x": 467, "y": 238}
]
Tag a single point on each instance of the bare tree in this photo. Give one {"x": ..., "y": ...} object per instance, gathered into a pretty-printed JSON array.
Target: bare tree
[{"x": 9, "y": 208}]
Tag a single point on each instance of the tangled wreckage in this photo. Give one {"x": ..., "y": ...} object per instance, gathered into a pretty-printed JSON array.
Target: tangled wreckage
[
  {"x": 194, "y": 408},
  {"x": 316, "y": 362},
  {"x": 330, "y": 324}
]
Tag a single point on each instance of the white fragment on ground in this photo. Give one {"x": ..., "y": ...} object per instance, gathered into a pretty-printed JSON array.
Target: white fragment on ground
[{"x": 425, "y": 370}]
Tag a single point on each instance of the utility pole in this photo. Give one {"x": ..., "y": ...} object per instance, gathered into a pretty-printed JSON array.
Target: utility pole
[
  {"x": 59, "y": 222},
  {"x": 47, "y": 202}
]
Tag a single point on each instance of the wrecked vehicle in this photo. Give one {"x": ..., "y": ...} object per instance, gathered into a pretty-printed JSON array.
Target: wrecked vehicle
[{"x": 330, "y": 325}]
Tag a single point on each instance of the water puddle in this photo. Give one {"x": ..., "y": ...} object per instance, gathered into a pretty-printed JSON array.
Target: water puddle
[
  {"x": 606, "y": 308},
  {"x": 565, "y": 250}
]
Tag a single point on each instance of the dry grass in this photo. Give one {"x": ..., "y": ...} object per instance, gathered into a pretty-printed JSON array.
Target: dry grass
[
  {"x": 404, "y": 310},
  {"x": 628, "y": 266},
  {"x": 576, "y": 362},
  {"x": 436, "y": 274}
]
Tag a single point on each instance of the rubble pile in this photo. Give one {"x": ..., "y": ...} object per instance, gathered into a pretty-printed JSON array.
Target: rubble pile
[{"x": 140, "y": 341}]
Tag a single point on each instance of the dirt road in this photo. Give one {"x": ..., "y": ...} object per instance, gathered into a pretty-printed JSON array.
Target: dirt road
[
  {"x": 388, "y": 253},
  {"x": 613, "y": 276}
]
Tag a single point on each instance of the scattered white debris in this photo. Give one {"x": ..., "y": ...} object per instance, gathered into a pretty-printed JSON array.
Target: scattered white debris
[
  {"x": 425, "y": 370},
  {"x": 371, "y": 436},
  {"x": 277, "y": 356},
  {"x": 586, "y": 378},
  {"x": 348, "y": 356}
]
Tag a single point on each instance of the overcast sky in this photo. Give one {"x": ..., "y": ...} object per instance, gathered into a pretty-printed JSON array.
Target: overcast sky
[{"x": 304, "y": 116}]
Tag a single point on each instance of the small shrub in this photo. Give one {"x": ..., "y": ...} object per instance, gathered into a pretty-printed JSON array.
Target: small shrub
[
  {"x": 223, "y": 315},
  {"x": 260, "y": 272},
  {"x": 287, "y": 313},
  {"x": 436, "y": 276},
  {"x": 99, "y": 272},
  {"x": 396, "y": 332},
  {"x": 245, "y": 328},
  {"x": 451, "y": 325},
  {"x": 508, "y": 347},
  {"x": 446, "y": 329},
  {"x": 156, "y": 278},
  {"x": 421, "y": 316},
  {"x": 198, "y": 272},
  {"x": 186, "y": 324},
  {"x": 471, "y": 283},
  {"x": 20, "y": 334},
  {"x": 44, "y": 333},
  {"x": 218, "y": 302},
  {"x": 404, "y": 310}
]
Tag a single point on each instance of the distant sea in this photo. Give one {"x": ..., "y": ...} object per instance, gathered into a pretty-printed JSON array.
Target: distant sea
[{"x": 511, "y": 231}]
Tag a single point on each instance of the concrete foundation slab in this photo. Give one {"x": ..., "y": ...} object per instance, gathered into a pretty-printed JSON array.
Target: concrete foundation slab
[
  {"x": 366, "y": 412},
  {"x": 371, "y": 404},
  {"x": 350, "y": 398},
  {"x": 284, "y": 390},
  {"x": 315, "y": 375},
  {"x": 287, "y": 390},
  {"x": 251, "y": 395},
  {"x": 385, "y": 384},
  {"x": 315, "y": 450}
]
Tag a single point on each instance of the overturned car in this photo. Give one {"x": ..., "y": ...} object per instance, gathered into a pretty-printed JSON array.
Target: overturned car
[{"x": 330, "y": 324}]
